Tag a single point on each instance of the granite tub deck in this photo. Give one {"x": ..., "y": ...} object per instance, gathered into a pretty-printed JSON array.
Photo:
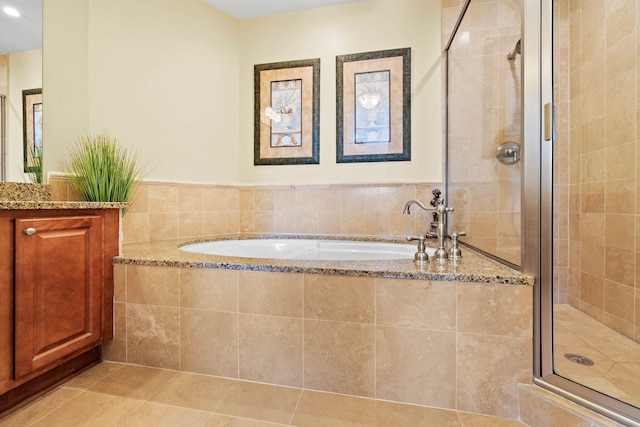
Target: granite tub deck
[
  {"x": 473, "y": 267},
  {"x": 454, "y": 336}
]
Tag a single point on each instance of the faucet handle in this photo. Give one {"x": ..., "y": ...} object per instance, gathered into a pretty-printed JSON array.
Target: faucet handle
[
  {"x": 421, "y": 256},
  {"x": 455, "y": 250},
  {"x": 420, "y": 238},
  {"x": 456, "y": 234}
]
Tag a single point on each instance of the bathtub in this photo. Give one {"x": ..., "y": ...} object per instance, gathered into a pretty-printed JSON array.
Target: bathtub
[
  {"x": 306, "y": 249},
  {"x": 389, "y": 329}
]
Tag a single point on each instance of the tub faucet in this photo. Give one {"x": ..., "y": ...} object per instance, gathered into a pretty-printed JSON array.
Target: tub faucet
[
  {"x": 407, "y": 211},
  {"x": 410, "y": 203},
  {"x": 442, "y": 210}
]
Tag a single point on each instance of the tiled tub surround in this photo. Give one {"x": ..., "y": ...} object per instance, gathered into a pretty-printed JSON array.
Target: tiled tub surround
[
  {"x": 441, "y": 336},
  {"x": 386, "y": 330},
  {"x": 162, "y": 210}
]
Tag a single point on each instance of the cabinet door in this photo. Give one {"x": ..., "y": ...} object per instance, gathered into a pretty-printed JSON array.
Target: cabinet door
[{"x": 58, "y": 289}]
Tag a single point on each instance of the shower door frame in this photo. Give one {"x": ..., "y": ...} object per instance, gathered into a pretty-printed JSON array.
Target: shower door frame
[{"x": 537, "y": 207}]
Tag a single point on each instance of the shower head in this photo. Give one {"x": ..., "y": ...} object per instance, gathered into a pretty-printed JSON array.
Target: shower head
[{"x": 516, "y": 50}]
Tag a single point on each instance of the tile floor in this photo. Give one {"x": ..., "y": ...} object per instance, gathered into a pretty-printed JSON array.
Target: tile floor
[
  {"x": 114, "y": 394},
  {"x": 616, "y": 368}
]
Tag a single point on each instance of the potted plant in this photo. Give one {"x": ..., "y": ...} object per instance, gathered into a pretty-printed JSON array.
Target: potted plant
[{"x": 101, "y": 170}]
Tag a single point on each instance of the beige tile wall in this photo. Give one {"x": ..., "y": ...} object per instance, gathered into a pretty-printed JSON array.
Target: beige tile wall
[
  {"x": 162, "y": 211},
  {"x": 355, "y": 210},
  {"x": 599, "y": 59},
  {"x": 561, "y": 188},
  {"x": 452, "y": 345},
  {"x": 484, "y": 112},
  {"x": 541, "y": 408}
]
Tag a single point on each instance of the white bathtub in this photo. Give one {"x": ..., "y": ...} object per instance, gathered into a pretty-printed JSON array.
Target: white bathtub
[{"x": 306, "y": 249}]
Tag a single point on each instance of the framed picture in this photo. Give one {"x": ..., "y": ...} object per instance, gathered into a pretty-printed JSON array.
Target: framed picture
[
  {"x": 373, "y": 106},
  {"x": 32, "y": 128},
  {"x": 287, "y": 113}
]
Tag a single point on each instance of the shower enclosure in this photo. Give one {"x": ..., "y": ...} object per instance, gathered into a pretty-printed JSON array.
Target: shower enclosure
[
  {"x": 484, "y": 128},
  {"x": 542, "y": 113}
]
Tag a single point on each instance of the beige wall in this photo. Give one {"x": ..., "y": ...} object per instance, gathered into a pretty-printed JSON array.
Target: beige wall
[
  {"x": 174, "y": 79},
  {"x": 162, "y": 78},
  {"x": 64, "y": 77},
  {"x": 324, "y": 33},
  {"x": 24, "y": 72}
]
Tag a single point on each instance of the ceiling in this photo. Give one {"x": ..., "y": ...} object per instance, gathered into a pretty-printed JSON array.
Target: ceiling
[
  {"x": 22, "y": 33},
  {"x": 244, "y": 9},
  {"x": 25, "y": 32}
]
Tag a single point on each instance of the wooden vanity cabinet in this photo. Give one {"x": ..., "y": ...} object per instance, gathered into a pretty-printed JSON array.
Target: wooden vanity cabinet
[{"x": 56, "y": 296}]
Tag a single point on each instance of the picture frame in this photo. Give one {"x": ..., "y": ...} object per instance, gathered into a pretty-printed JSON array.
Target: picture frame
[
  {"x": 373, "y": 106},
  {"x": 287, "y": 113},
  {"x": 31, "y": 127}
]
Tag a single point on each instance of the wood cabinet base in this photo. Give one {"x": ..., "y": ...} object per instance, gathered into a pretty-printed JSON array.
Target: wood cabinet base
[
  {"x": 25, "y": 393},
  {"x": 56, "y": 296}
]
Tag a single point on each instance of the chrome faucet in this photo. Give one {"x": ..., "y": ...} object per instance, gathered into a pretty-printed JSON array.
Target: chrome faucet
[
  {"x": 407, "y": 211},
  {"x": 440, "y": 208},
  {"x": 410, "y": 203}
]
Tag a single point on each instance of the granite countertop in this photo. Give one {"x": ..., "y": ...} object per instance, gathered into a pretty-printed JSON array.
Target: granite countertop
[
  {"x": 473, "y": 267},
  {"x": 45, "y": 204},
  {"x": 20, "y": 195},
  {"x": 24, "y": 191}
]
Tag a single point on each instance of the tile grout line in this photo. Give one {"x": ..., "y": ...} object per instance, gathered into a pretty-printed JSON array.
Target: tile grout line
[{"x": 293, "y": 415}]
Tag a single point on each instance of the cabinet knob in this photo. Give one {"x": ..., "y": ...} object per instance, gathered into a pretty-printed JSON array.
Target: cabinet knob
[{"x": 30, "y": 231}]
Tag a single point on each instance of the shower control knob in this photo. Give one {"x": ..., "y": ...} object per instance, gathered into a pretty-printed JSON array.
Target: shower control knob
[
  {"x": 508, "y": 153},
  {"x": 30, "y": 231}
]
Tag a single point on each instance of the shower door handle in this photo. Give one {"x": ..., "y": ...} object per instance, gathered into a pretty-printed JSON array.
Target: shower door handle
[{"x": 549, "y": 122}]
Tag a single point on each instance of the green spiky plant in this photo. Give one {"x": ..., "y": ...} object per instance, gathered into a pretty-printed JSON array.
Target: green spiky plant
[{"x": 103, "y": 171}]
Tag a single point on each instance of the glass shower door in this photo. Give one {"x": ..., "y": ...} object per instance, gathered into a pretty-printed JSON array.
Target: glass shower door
[
  {"x": 484, "y": 132},
  {"x": 595, "y": 305}
]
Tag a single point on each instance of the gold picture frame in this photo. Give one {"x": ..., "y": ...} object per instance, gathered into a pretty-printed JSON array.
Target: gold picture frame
[{"x": 287, "y": 113}]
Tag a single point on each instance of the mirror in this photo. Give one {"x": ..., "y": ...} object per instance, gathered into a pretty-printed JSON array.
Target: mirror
[
  {"x": 20, "y": 70},
  {"x": 3, "y": 176}
]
